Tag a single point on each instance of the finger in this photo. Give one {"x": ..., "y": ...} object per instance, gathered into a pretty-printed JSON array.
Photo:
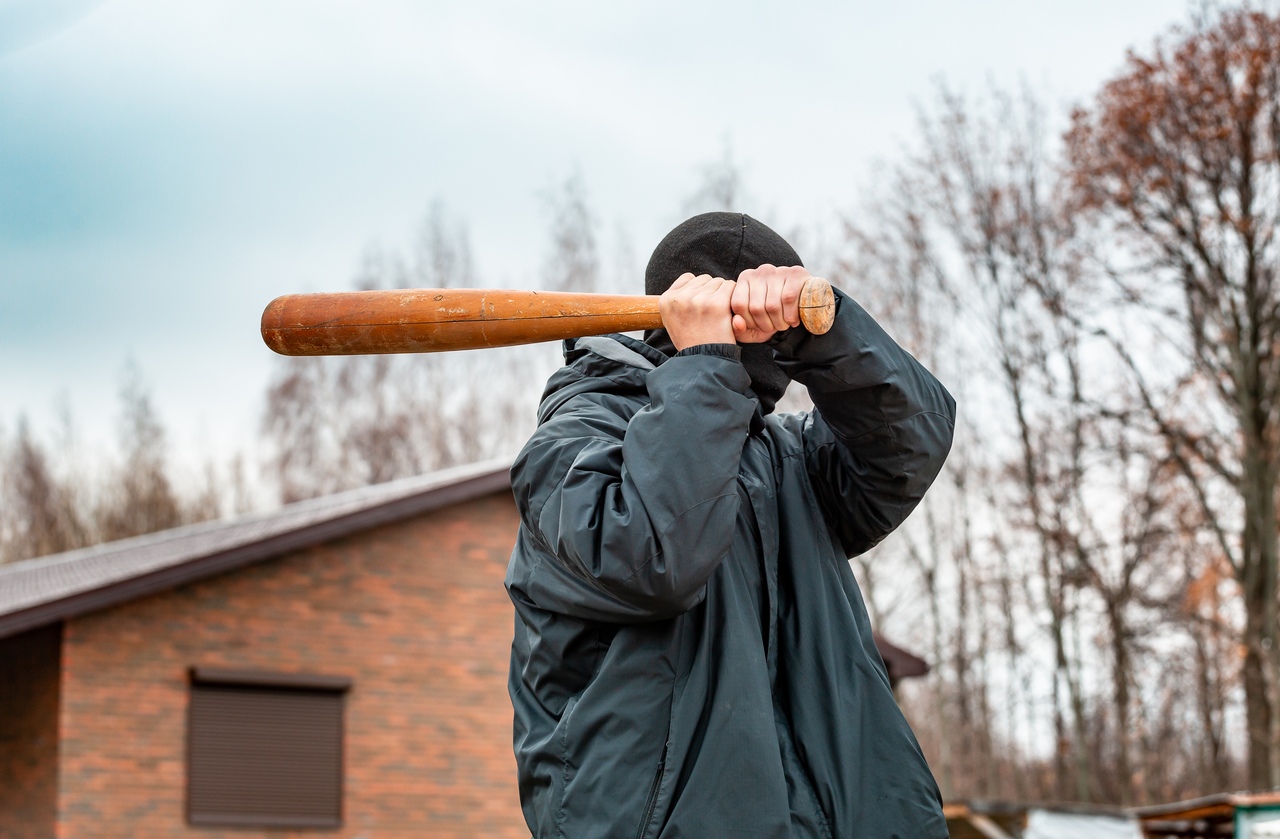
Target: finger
[
  {"x": 741, "y": 297},
  {"x": 711, "y": 284},
  {"x": 791, "y": 289},
  {"x": 720, "y": 290},
  {"x": 681, "y": 281},
  {"x": 758, "y": 305},
  {"x": 773, "y": 302}
]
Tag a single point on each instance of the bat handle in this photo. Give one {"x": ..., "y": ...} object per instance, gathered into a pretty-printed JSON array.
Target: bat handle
[{"x": 817, "y": 306}]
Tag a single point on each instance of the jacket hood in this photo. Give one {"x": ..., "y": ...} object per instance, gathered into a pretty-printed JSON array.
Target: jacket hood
[
  {"x": 722, "y": 245},
  {"x": 618, "y": 364}
]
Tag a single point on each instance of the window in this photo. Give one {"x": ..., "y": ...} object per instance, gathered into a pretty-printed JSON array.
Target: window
[{"x": 264, "y": 749}]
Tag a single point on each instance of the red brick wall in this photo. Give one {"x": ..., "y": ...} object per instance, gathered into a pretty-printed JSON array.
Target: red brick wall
[
  {"x": 414, "y": 613},
  {"x": 29, "y": 733}
]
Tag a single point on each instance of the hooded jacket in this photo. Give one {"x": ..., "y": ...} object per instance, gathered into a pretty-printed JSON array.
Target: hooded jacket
[{"x": 692, "y": 655}]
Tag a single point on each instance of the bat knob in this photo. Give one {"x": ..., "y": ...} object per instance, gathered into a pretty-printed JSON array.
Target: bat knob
[{"x": 817, "y": 306}]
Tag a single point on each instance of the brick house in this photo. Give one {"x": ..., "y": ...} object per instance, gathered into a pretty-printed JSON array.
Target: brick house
[{"x": 337, "y": 665}]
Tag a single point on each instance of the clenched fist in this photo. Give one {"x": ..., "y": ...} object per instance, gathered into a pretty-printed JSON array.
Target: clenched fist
[
  {"x": 696, "y": 310},
  {"x": 709, "y": 310},
  {"x": 766, "y": 300}
]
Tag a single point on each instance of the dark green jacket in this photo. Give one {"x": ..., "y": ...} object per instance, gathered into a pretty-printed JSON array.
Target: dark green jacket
[{"x": 692, "y": 656}]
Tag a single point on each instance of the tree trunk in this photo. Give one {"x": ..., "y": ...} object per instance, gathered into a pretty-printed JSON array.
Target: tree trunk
[
  {"x": 1212, "y": 763},
  {"x": 1120, "y": 694},
  {"x": 1258, "y": 556}
]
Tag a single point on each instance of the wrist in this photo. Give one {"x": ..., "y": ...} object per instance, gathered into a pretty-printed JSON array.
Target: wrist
[{"x": 698, "y": 337}]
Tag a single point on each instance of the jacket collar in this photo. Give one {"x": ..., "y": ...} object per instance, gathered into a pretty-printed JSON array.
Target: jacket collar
[
  {"x": 620, "y": 348},
  {"x": 621, "y": 356}
]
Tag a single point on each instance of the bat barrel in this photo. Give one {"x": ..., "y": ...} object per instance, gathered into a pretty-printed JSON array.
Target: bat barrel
[{"x": 435, "y": 320}]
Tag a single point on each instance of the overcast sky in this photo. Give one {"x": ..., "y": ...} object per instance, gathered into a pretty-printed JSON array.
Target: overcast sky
[{"x": 166, "y": 168}]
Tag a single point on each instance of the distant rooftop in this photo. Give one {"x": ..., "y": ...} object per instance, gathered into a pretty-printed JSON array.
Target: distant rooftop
[
  {"x": 40, "y": 591},
  {"x": 1209, "y": 804}
]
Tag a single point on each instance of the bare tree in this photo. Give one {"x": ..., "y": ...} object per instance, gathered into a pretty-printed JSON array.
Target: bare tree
[
  {"x": 979, "y": 209},
  {"x": 1179, "y": 156},
  {"x": 626, "y": 268},
  {"x": 338, "y": 423},
  {"x": 442, "y": 252},
  {"x": 55, "y": 496},
  {"x": 573, "y": 263},
  {"x": 1077, "y": 496},
  {"x": 41, "y": 512},
  {"x": 140, "y": 498}
]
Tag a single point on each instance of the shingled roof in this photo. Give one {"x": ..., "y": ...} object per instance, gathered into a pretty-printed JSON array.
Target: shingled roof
[{"x": 37, "y": 592}]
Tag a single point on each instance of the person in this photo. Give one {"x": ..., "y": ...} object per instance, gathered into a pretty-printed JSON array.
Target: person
[{"x": 692, "y": 656}]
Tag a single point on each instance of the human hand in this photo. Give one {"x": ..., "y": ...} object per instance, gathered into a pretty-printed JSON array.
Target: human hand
[
  {"x": 696, "y": 310},
  {"x": 766, "y": 300}
]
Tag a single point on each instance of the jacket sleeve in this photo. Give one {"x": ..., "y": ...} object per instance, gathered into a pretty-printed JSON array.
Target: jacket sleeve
[
  {"x": 881, "y": 428},
  {"x": 631, "y": 518}
]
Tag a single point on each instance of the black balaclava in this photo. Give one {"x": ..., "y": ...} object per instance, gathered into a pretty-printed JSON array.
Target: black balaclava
[{"x": 722, "y": 245}]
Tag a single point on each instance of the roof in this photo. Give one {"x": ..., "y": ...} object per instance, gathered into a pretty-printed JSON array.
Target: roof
[
  {"x": 1160, "y": 819},
  {"x": 900, "y": 663},
  {"x": 980, "y": 819},
  {"x": 997, "y": 821},
  {"x": 41, "y": 591}
]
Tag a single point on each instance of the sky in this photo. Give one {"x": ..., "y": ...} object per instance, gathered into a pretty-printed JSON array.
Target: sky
[{"x": 168, "y": 168}]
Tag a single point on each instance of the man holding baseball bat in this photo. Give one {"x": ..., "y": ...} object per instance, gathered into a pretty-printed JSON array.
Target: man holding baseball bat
[{"x": 692, "y": 656}]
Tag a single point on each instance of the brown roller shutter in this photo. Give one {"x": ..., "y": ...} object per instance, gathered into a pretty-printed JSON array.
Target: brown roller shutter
[{"x": 264, "y": 755}]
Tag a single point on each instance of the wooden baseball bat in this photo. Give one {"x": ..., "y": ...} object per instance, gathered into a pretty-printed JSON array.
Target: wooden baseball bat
[{"x": 440, "y": 319}]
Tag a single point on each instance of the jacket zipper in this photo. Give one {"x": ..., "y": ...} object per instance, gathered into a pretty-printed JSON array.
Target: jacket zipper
[{"x": 652, "y": 801}]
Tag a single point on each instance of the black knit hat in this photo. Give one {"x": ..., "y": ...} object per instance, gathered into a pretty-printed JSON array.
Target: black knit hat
[{"x": 722, "y": 245}]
